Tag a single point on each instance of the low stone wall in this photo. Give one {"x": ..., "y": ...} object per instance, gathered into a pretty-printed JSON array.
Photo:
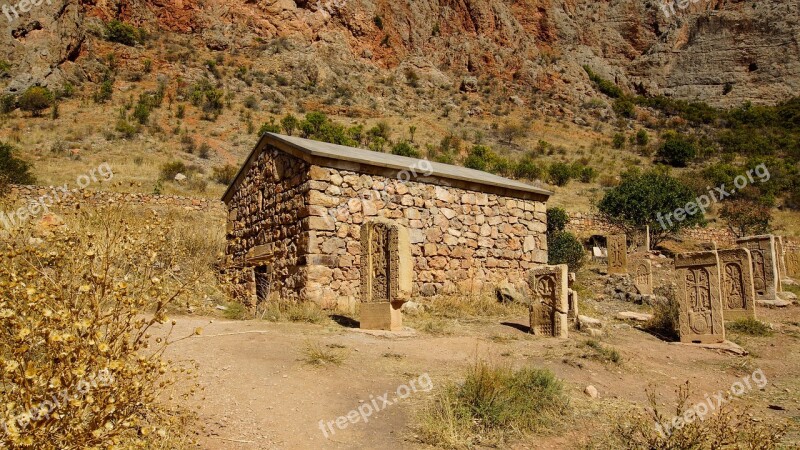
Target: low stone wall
[
  {"x": 585, "y": 225},
  {"x": 26, "y": 193}
]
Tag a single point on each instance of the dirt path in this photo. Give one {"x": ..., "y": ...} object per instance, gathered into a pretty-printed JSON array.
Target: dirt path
[{"x": 260, "y": 394}]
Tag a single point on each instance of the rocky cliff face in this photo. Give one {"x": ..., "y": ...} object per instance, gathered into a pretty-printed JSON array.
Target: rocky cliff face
[{"x": 721, "y": 51}]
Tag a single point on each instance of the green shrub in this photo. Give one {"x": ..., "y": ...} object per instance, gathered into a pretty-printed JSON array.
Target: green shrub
[
  {"x": 289, "y": 123},
  {"x": 126, "y": 129},
  {"x": 5, "y": 68},
  {"x": 528, "y": 169},
  {"x": 603, "y": 85},
  {"x": 8, "y": 103},
  {"x": 405, "y": 149},
  {"x": 170, "y": 169},
  {"x": 642, "y": 138},
  {"x": 35, "y": 99},
  {"x": 750, "y": 326},
  {"x": 624, "y": 107},
  {"x": 492, "y": 406},
  {"x": 105, "y": 91},
  {"x": 269, "y": 127},
  {"x": 564, "y": 248},
  {"x": 12, "y": 169},
  {"x": 619, "y": 140},
  {"x": 557, "y": 220},
  {"x": 478, "y": 158},
  {"x": 677, "y": 150},
  {"x": 560, "y": 173},
  {"x": 123, "y": 33},
  {"x": 587, "y": 174},
  {"x": 645, "y": 199},
  {"x": 225, "y": 174}
]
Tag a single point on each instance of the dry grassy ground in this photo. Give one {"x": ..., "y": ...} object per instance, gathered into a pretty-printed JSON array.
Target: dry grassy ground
[{"x": 260, "y": 392}]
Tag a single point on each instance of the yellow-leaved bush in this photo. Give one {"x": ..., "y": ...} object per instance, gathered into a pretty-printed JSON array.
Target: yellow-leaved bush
[{"x": 83, "y": 328}]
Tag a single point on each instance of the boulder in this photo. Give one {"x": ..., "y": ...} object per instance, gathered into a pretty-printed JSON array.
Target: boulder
[{"x": 507, "y": 293}]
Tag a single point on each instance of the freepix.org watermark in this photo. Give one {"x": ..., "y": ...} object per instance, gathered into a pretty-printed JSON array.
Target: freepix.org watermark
[
  {"x": 376, "y": 404},
  {"x": 703, "y": 202},
  {"x": 668, "y": 6},
  {"x": 12, "y": 11},
  {"x": 713, "y": 403},
  {"x": 13, "y": 219}
]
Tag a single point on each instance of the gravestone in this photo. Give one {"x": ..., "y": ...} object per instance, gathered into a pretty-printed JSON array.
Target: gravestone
[
  {"x": 793, "y": 265},
  {"x": 617, "y": 254},
  {"x": 700, "y": 318},
  {"x": 765, "y": 268},
  {"x": 386, "y": 279},
  {"x": 549, "y": 303},
  {"x": 643, "y": 276},
  {"x": 572, "y": 302},
  {"x": 738, "y": 292},
  {"x": 781, "y": 259}
]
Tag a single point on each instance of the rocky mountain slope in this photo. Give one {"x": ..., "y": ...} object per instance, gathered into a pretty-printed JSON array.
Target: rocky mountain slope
[{"x": 721, "y": 51}]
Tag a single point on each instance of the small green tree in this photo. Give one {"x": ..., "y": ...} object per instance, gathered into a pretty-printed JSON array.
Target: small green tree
[
  {"x": 677, "y": 150},
  {"x": 12, "y": 169},
  {"x": 619, "y": 140},
  {"x": 560, "y": 173},
  {"x": 289, "y": 123},
  {"x": 562, "y": 246},
  {"x": 653, "y": 199},
  {"x": 746, "y": 218},
  {"x": 36, "y": 99},
  {"x": 405, "y": 149},
  {"x": 269, "y": 127}
]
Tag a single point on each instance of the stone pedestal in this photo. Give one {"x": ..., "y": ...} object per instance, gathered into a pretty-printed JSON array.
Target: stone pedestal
[{"x": 381, "y": 316}]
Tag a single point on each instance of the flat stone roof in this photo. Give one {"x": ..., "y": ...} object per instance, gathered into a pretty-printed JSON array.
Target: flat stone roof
[{"x": 325, "y": 154}]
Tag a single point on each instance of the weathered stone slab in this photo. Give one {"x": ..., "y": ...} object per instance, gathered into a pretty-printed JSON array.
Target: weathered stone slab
[
  {"x": 617, "y": 254},
  {"x": 631, "y": 315},
  {"x": 572, "y": 301},
  {"x": 738, "y": 292},
  {"x": 643, "y": 276},
  {"x": 793, "y": 264},
  {"x": 549, "y": 303},
  {"x": 781, "y": 261},
  {"x": 699, "y": 298},
  {"x": 765, "y": 267}
]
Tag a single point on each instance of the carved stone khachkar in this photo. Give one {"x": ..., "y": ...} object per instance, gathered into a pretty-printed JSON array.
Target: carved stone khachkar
[
  {"x": 793, "y": 265},
  {"x": 643, "y": 276},
  {"x": 617, "y": 254},
  {"x": 386, "y": 279},
  {"x": 550, "y": 306},
  {"x": 781, "y": 261},
  {"x": 738, "y": 293},
  {"x": 699, "y": 299},
  {"x": 765, "y": 268}
]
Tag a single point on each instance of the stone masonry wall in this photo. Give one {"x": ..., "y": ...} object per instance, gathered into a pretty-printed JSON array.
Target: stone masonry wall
[
  {"x": 265, "y": 222},
  {"x": 461, "y": 240}
]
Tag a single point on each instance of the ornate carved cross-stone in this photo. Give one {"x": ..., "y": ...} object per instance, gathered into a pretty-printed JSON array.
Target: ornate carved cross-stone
[
  {"x": 738, "y": 287},
  {"x": 643, "y": 276},
  {"x": 699, "y": 297},
  {"x": 617, "y": 254},
  {"x": 549, "y": 304},
  {"x": 793, "y": 265},
  {"x": 766, "y": 276},
  {"x": 386, "y": 277}
]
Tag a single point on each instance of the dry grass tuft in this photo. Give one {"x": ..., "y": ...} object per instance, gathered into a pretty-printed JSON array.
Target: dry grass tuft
[
  {"x": 727, "y": 428},
  {"x": 315, "y": 354},
  {"x": 491, "y": 406}
]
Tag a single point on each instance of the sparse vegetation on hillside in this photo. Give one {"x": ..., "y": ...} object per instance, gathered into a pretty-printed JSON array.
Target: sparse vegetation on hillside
[{"x": 35, "y": 99}]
